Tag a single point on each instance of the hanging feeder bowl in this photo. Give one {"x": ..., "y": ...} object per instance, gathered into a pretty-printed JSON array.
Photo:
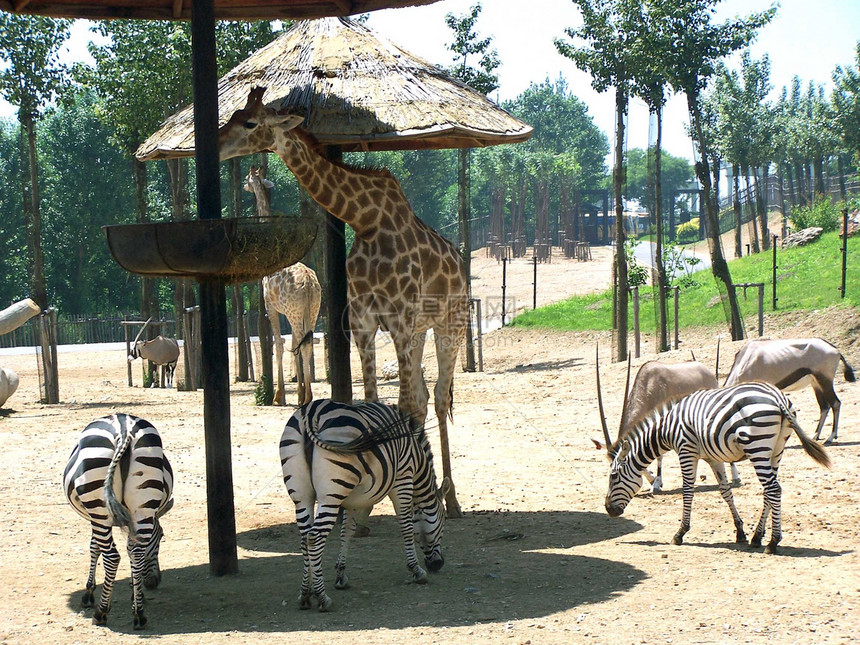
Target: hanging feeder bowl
[{"x": 233, "y": 249}]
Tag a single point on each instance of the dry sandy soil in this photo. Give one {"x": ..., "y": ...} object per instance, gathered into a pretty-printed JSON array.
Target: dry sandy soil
[{"x": 535, "y": 559}]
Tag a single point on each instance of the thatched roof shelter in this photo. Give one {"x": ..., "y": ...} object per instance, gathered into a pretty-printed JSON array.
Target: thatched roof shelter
[
  {"x": 181, "y": 9},
  {"x": 356, "y": 90}
]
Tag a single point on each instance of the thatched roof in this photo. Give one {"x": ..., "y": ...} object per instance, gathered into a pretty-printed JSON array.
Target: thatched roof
[
  {"x": 356, "y": 90},
  {"x": 181, "y": 9}
]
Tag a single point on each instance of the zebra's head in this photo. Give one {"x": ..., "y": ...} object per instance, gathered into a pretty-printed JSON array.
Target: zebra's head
[
  {"x": 624, "y": 480},
  {"x": 428, "y": 522}
]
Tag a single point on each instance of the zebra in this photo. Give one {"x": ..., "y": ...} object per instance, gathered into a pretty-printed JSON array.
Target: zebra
[
  {"x": 338, "y": 456},
  {"x": 748, "y": 421},
  {"x": 134, "y": 497}
]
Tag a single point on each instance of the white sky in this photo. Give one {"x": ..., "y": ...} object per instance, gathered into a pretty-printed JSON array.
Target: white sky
[{"x": 805, "y": 38}]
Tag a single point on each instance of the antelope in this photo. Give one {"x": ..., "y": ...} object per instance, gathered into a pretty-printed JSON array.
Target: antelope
[
  {"x": 793, "y": 364},
  {"x": 159, "y": 350},
  {"x": 655, "y": 385}
]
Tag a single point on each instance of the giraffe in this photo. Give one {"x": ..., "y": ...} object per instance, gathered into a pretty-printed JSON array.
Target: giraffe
[
  {"x": 403, "y": 277},
  {"x": 295, "y": 292}
]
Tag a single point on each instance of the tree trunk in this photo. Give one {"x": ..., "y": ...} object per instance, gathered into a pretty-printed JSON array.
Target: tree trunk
[
  {"x": 38, "y": 289},
  {"x": 736, "y": 205},
  {"x": 761, "y": 205},
  {"x": 662, "y": 282},
  {"x": 745, "y": 169},
  {"x": 237, "y": 296},
  {"x": 464, "y": 215},
  {"x": 620, "y": 259},
  {"x": 719, "y": 266}
]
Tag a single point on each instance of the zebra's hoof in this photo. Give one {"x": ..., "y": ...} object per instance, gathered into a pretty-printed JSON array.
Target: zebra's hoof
[
  {"x": 770, "y": 549},
  {"x": 361, "y": 531},
  {"x": 99, "y": 618},
  {"x": 341, "y": 582},
  {"x": 741, "y": 538},
  {"x": 736, "y": 482},
  {"x": 324, "y": 602},
  {"x": 139, "y": 620},
  {"x": 419, "y": 577},
  {"x": 678, "y": 538},
  {"x": 88, "y": 599},
  {"x": 305, "y": 601},
  {"x": 755, "y": 540},
  {"x": 830, "y": 441}
]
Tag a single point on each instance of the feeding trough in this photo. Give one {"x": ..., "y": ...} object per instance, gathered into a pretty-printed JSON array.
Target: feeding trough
[{"x": 232, "y": 249}]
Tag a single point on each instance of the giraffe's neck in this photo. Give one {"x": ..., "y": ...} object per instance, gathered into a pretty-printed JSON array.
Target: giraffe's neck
[
  {"x": 264, "y": 208},
  {"x": 362, "y": 199}
]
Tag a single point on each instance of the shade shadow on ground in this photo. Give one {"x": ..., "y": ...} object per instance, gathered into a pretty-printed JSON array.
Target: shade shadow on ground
[{"x": 499, "y": 567}]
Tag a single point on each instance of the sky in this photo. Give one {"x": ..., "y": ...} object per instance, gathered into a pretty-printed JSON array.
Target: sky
[{"x": 807, "y": 39}]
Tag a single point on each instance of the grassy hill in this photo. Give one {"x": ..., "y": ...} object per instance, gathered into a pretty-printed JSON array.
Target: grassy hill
[{"x": 807, "y": 278}]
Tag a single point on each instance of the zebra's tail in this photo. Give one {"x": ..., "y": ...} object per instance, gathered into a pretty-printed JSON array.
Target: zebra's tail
[
  {"x": 848, "y": 373},
  {"x": 812, "y": 447},
  {"x": 117, "y": 513}
]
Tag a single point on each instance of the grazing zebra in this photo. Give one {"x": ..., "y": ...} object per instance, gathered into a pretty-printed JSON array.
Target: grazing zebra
[
  {"x": 337, "y": 456},
  {"x": 749, "y": 421},
  {"x": 118, "y": 475}
]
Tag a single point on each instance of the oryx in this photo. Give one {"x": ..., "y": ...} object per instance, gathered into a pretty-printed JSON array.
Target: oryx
[
  {"x": 793, "y": 364},
  {"x": 655, "y": 385},
  {"x": 160, "y": 350}
]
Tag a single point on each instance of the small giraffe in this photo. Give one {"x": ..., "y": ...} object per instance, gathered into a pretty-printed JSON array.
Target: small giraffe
[
  {"x": 403, "y": 277},
  {"x": 295, "y": 292}
]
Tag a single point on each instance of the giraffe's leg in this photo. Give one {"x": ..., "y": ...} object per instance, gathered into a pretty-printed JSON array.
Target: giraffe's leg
[
  {"x": 447, "y": 347},
  {"x": 275, "y": 322},
  {"x": 404, "y": 344},
  {"x": 365, "y": 342},
  {"x": 303, "y": 370}
]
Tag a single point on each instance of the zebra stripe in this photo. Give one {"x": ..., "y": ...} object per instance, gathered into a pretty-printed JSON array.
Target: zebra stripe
[
  {"x": 118, "y": 475},
  {"x": 336, "y": 456},
  {"x": 749, "y": 421}
]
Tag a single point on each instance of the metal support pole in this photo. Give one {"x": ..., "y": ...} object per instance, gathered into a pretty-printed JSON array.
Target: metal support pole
[
  {"x": 636, "y": 338},
  {"x": 476, "y": 303},
  {"x": 504, "y": 286},
  {"x": 844, "y": 249},
  {"x": 677, "y": 290},
  {"x": 534, "y": 284},
  {"x": 774, "y": 272},
  {"x": 761, "y": 310}
]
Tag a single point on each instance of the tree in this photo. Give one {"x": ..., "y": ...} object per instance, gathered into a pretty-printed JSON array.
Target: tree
[
  {"x": 34, "y": 77},
  {"x": 697, "y": 46},
  {"x": 606, "y": 46},
  {"x": 483, "y": 79},
  {"x": 845, "y": 100}
]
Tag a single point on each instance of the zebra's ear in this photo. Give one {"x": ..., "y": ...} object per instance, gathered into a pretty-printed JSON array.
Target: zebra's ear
[
  {"x": 446, "y": 487},
  {"x": 624, "y": 450}
]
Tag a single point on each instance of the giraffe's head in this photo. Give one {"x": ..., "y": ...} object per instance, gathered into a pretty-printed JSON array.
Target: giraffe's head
[
  {"x": 252, "y": 129},
  {"x": 255, "y": 180}
]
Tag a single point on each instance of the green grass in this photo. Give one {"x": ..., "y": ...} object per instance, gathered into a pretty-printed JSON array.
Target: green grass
[{"x": 807, "y": 278}]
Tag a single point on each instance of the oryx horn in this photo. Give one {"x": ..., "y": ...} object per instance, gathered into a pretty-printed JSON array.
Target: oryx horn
[
  {"x": 717, "y": 364},
  {"x": 600, "y": 398},
  {"x": 136, "y": 338},
  {"x": 626, "y": 395}
]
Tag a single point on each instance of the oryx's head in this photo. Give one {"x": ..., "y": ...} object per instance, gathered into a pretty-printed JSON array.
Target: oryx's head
[
  {"x": 624, "y": 479},
  {"x": 428, "y": 523},
  {"x": 137, "y": 344}
]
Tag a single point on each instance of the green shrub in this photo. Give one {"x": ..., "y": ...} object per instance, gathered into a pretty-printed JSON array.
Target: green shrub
[
  {"x": 264, "y": 393},
  {"x": 688, "y": 231},
  {"x": 822, "y": 213}
]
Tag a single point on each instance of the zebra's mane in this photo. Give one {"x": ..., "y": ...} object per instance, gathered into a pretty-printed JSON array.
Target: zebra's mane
[
  {"x": 646, "y": 424},
  {"x": 400, "y": 428}
]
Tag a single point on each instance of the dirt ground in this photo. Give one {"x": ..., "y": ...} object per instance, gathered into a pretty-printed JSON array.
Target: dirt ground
[{"x": 535, "y": 559}]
